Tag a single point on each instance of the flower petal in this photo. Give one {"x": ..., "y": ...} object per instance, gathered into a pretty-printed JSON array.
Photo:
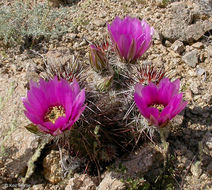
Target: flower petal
[
  {"x": 150, "y": 94},
  {"x": 77, "y": 105},
  {"x": 141, "y": 104}
]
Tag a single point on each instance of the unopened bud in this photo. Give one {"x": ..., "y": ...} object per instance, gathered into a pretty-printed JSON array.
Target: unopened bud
[
  {"x": 105, "y": 83},
  {"x": 97, "y": 58}
]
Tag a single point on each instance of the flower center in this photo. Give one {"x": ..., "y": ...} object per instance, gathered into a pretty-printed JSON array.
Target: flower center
[
  {"x": 160, "y": 107},
  {"x": 53, "y": 113}
]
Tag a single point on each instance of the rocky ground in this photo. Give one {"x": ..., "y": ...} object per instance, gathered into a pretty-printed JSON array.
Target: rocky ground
[{"x": 182, "y": 43}]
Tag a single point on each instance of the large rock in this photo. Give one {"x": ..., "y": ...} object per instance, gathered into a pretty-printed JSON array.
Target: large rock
[
  {"x": 198, "y": 45},
  {"x": 60, "y": 56},
  {"x": 209, "y": 169},
  {"x": 178, "y": 46},
  {"x": 142, "y": 161},
  {"x": 195, "y": 31},
  {"x": 18, "y": 150},
  {"x": 209, "y": 50},
  {"x": 52, "y": 167},
  {"x": 182, "y": 24},
  {"x": 111, "y": 182},
  {"x": 17, "y": 145},
  {"x": 81, "y": 182},
  {"x": 191, "y": 58}
]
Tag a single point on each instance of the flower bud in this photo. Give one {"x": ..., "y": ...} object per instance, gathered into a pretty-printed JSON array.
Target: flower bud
[{"x": 97, "y": 58}]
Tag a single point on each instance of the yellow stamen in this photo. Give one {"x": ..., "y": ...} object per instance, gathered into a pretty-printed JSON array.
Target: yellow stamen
[
  {"x": 160, "y": 107},
  {"x": 54, "y": 113}
]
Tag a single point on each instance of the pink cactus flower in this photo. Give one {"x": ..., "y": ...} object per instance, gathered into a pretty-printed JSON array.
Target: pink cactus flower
[
  {"x": 159, "y": 103},
  {"x": 54, "y": 105},
  {"x": 130, "y": 37}
]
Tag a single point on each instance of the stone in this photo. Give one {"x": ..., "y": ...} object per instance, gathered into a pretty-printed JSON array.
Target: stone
[
  {"x": 160, "y": 3},
  {"x": 204, "y": 6},
  {"x": 17, "y": 145},
  {"x": 207, "y": 98},
  {"x": 198, "y": 45},
  {"x": 142, "y": 161},
  {"x": 129, "y": 3},
  {"x": 102, "y": 14},
  {"x": 197, "y": 98},
  {"x": 81, "y": 182},
  {"x": 52, "y": 168},
  {"x": 195, "y": 31},
  {"x": 83, "y": 43},
  {"x": 191, "y": 58},
  {"x": 37, "y": 187},
  {"x": 178, "y": 46},
  {"x": 147, "y": 62},
  {"x": 148, "y": 9},
  {"x": 209, "y": 50},
  {"x": 168, "y": 43},
  {"x": 157, "y": 35},
  {"x": 99, "y": 23},
  {"x": 196, "y": 169},
  {"x": 200, "y": 71},
  {"x": 24, "y": 144},
  {"x": 31, "y": 73},
  {"x": 188, "y": 95},
  {"x": 202, "y": 56},
  {"x": 209, "y": 169},
  {"x": 192, "y": 73},
  {"x": 110, "y": 182},
  {"x": 76, "y": 45},
  {"x": 188, "y": 48},
  {"x": 183, "y": 26},
  {"x": 209, "y": 143},
  {"x": 60, "y": 56},
  {"x": 194, "y": 86},
  {"x": 158, "y": 15},
  {"x": 55, "y": 3},
  {"x": 71, "y": 36}
]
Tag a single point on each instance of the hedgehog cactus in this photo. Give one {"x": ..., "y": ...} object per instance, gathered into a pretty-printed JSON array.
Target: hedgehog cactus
[
  {"x": 110, "y": 85},
  {"x": 104, "y": 129}
]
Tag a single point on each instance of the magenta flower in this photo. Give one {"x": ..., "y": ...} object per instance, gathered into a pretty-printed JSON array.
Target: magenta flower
[
  {"x": 130, "y": 37},
  {"x": 55, "y": 105},
  {"x": 159, "y": 103}
]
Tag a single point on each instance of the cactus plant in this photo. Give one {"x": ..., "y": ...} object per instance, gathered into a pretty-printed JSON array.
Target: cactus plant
[{"x": 106, "y": 127}]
